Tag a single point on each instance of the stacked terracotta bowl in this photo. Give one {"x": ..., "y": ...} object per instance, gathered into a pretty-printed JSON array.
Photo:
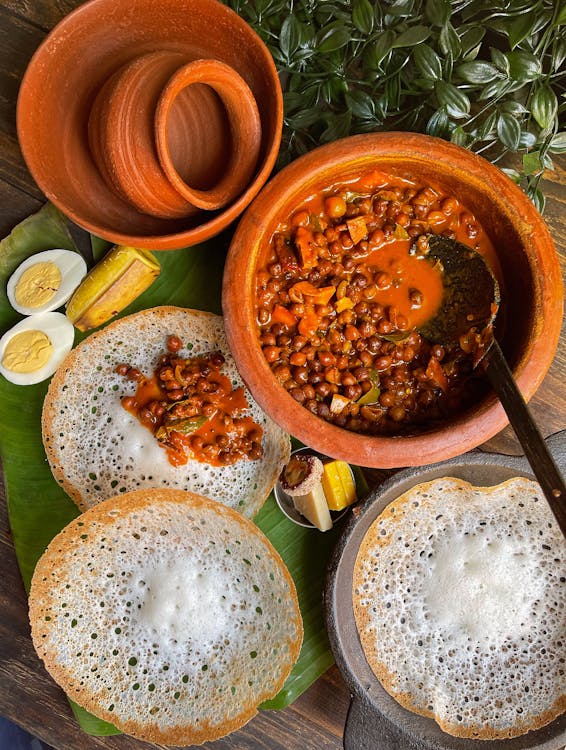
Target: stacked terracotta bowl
[{"x": 158, "y": 122}]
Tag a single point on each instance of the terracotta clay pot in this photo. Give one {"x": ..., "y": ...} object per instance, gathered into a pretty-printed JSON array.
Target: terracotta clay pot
[
  {"x": 528, "y": 324},
  {"x": 73, "y": 63},
  {"x": 121, "y": 134},
  {"x": 241, "y": 149}
]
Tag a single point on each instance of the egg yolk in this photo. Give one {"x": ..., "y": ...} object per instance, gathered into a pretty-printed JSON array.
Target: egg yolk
[
  {"x": 38, "y": 284},
  {"x": 27, "y": 351}
]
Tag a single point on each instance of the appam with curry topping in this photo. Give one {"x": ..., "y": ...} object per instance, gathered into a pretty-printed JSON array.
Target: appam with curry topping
[
  {"x": 154, "y": 400},
  {"x": 459, "y": 601}
]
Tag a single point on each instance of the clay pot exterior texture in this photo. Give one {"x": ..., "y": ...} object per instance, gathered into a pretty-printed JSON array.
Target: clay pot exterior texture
[
  {"x": 75, "y": 60},
  {"x": 528, "y": 325},
  {"x": 121, "y": 134},
  {"x": 240, "y": 150}
]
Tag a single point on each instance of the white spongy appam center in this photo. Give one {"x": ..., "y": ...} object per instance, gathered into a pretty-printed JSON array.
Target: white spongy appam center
[
  {"x": 459, "y": 601},
  {"x": 97, "y": 449},
  {"x": 166, "y": 614}
]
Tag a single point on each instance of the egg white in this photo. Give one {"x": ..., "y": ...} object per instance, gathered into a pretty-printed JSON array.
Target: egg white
[
  {"x": 73, "y": 270},
  {"x": 58, "y": 329}
]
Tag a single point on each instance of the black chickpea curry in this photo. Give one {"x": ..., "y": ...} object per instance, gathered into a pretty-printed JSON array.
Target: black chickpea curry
[{"x": 340, "y": 300}]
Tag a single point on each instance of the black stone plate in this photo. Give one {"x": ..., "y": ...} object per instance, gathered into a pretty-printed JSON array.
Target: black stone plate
[{"x": 375, "y": 720}]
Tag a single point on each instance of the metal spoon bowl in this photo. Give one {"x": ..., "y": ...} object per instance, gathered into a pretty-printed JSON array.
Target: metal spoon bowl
[{"x": 470, "y": 302}]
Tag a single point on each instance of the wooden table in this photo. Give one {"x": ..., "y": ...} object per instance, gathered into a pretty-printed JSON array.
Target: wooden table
[{"x": 28, "y": 696}]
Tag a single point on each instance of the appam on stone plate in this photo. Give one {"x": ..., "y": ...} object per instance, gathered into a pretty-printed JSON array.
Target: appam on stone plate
[
  {"x": 97, "y": 449},
  {"x": 459, "y": 602},
  {"x": 167, "y": 614}
]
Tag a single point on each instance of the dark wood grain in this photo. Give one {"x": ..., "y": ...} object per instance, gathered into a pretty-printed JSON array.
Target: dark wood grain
[{"x": 28, "y": 696}]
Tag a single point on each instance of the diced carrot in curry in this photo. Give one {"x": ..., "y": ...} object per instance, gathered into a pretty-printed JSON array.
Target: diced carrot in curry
[
  {"x": 308, "y": 324},
  {"x": 357, "y": 228},
  {"x": 280, "y": 314},
  {"x": 304, "y": 242},
  {"x": 304, "y": 291}
]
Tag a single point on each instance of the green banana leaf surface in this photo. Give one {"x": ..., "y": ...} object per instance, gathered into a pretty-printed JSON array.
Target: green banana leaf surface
[{"x": 38, "y": 508}]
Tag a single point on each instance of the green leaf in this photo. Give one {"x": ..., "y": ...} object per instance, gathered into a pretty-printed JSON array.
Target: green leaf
[
  {"x": 361, "y": 104},
  {"x": 508, "y": 131},
  {"x": 438, "y": 124},
  {"x": 532, "y": 163},
  {"x": 513, "y": 174},
  {"x": 478, "y": 72},
  {"x": 544, "y": 106},
  {"x": 450, "y": 41},
  {"x": 456, "y": 102},
  {"x": 527, "y": 139},
  {"x": 524, "y": 66},
  {"x": 438, "y": 11},
  {"x": 363, "y": 16},
  {"x": 470, "y": 41},
  {"x": 494, "y": 90},
  {"x": 304, "y": 119},
  {"x": 459, "y": 136},
  {"x": 412, "y": 36},
  {"x": 537, "y": 197},
  {"x": 500, "y": 60},
  {"x": 521, "y": 27},
  {"x": 428, "y": 62},
  {"x": 561, "y": 17},
  {"x": 487, "y": 130},
  {"x": 381, "y": 46},
  {"x": 290, "y": 36},
  {"x": 558, "y": 143},
  {"x": 332, "y": 38}
]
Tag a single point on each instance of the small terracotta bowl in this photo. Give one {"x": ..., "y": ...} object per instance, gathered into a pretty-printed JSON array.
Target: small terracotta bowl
[
  {"x": 81, "y": 54},
  {"x": 528, "y": 324},
  {"x": 242, "y": 146}
]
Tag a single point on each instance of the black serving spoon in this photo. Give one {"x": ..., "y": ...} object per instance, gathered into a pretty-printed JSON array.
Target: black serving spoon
[{"x": 471, "y": 301}]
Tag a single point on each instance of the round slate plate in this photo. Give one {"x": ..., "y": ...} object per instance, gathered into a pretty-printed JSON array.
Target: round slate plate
[{"x": 375, "y": 720}]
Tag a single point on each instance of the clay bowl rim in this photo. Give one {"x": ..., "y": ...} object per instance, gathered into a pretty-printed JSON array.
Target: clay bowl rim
[
  {"x": 303, "y": 177},
  {"x": 175, "y": 240},
  {"x": 244, "y": 125}
]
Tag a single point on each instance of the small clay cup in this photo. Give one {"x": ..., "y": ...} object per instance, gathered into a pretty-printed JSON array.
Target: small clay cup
[
  {"x": 121, "y": 134},
  {"x": 245, "y": 132}
]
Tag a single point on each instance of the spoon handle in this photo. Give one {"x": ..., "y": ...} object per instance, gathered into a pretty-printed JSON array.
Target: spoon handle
[{"x": 532, "y": 442}]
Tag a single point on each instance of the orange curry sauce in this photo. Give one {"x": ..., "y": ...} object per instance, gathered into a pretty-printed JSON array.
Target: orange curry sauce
[{"x": 217, "y": 439}]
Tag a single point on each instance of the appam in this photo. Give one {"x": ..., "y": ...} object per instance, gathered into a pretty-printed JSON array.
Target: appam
[
  {"x": 167, "y": 614},
  {"x": 97, "y": 449},
  {"x": 458, "y": 600}
]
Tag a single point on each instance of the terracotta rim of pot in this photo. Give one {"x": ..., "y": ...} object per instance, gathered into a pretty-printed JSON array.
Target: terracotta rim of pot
[
  {"x": 318, "y": 170},
  {"x": 245, "y": 131}
]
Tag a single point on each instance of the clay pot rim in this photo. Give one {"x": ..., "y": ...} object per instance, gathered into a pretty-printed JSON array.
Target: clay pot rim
[
  {"x": 303, "y": 175},
  {"x": 173, "y": 240},
  {"x": 245, "y": 127}
]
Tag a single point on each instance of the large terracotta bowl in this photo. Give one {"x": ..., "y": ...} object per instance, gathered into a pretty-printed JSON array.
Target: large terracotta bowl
[
  {"x": 529, "y": 321},
  {"x": 73, "y": 63}
]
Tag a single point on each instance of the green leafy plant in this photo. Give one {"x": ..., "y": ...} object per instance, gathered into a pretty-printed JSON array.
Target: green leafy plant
[{"x": 488, "y": 75}]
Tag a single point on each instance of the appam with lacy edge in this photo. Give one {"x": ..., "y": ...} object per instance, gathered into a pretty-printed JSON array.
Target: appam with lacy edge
[
  {"x": 459, "y": 601},
  {"x": 167, "y": 614},
  {"x": 96, "y": 448}
]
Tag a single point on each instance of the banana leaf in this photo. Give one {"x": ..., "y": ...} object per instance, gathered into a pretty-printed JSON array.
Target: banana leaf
[{"x": 38, "y": 508}]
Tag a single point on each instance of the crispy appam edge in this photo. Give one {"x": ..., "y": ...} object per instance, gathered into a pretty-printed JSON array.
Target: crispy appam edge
[
  {"x": 395, "y": 512},
  {"x": 79, "y": 357},
  {"x": 68, "y": 540}
]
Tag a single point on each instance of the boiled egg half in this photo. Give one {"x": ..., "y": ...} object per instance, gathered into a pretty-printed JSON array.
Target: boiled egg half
[
  {"x": 34, "y": 348},
  {"x": 45, "y": 281}
]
